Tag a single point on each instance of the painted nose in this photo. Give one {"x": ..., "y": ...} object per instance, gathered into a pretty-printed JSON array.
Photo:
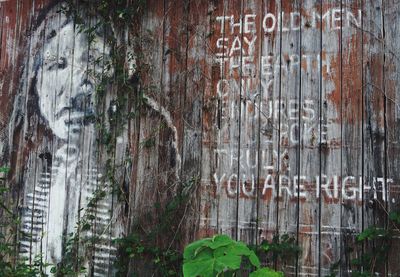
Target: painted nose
[
  {"x": 78, "y": 102},
  {"x": 82, "y": 100}
]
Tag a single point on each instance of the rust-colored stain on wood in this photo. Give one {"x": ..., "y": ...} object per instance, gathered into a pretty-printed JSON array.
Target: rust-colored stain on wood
[{"x": 285, "y": 113}]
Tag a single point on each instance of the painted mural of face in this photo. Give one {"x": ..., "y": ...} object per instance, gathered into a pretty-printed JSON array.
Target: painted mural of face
[{"x": 64, "y": 87}]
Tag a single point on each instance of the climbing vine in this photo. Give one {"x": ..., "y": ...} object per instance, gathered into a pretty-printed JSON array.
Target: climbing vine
[
  {"x": 112, "y": 21},
  {"x": 123, "y": 76}
]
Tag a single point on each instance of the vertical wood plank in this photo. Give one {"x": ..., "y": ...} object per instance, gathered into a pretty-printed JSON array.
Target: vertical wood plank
[
  {"x": 375, "y": 133},
  {"x": 172, "y": 109},
  {"x": 172, "y": 97},
  {"x": 249, "y": 122},
  {"x": 147, "y": 126},
  {"x": 229, "y": 205},
  {"x": 213, "y": 184},
  {"x": 226, "y": 117},
  {"x": 196, "y": 84},
  {"x": 330, "y": 134},
  {"x": 392, "y": 81},
  {"x": 269, "y": 116},
  {"x": 352, "y": 132},
  {"x": 290, "y": 194},
  {"x": 310, "y": 138}
]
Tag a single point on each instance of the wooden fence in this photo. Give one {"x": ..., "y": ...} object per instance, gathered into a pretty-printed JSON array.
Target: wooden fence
[{"x": 275, "y": 116}]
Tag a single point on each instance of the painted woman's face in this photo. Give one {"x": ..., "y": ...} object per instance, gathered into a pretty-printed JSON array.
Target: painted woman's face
[{"x": 64, "y": 85}]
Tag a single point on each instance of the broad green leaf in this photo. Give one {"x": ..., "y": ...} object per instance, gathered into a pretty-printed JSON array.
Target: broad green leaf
[
  {"x": 219, "y": 241},
  {"x": 266, "y": 272},
  {"x": 222, "y": 251},
  {"x": 236, "y": 248},
  {"x": 205, "y": 264},
  {"x": 229, "y": 261},
  {"x": 190, "y": 250},
  {"x": 203, "y": 268},
  {"x": 254, "y": 259},
  {"x": 203, "y": 253},
  {"x": 219, "y": 255}
]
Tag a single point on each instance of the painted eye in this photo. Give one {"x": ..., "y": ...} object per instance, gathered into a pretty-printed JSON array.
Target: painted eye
[
  {"x": 62, "y": 63},
  {"x": 53, "y": 63}
]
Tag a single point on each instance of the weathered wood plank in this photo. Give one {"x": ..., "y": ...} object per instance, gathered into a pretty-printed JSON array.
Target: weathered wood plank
[
  {"x": 196, "y": 85},
  {"x": 212, "y": 183},
  {"x": 146, "y": 146},
  {"x": 228, "y": 136},
  {"x": 172, "y": 96},
  {"x": 391, "y": 13},
  {"x": 352, "y": 133},
  {"x": 330, "y": 134},
  {"x": 290, "y": 128},
  {"x": 249, "y": 123},
  {"x": 269, "y": 156},
  {"x": 310, "y": 163},
  {"x": 375, "y": 130}
]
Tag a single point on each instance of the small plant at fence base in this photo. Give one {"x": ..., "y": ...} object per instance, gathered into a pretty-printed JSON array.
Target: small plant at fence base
[
  {"x": 222, "y": 256},
  {"x": 372, "y": 247},
  {"x": 378, "y": 241},
  {"x": 281, "y": 249},
  {"x": 10, "y": 264},
  {"x": 132, "y": 247}
]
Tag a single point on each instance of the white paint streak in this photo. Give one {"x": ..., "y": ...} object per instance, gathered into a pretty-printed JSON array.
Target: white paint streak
[{"x": 167, "y": 117}]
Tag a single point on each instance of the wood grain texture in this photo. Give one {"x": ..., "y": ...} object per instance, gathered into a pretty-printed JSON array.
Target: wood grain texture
[
  {"x": 290, "y": 182},
  {"x": 273, "y": 116},
  {"x": 392, "y": 66},
  {"x": 375, "y": 125},
  {"x": 309, "y": 215},
  {"x": 269, "y": 133},
  {"x": 352, "y": 133},
  {"x": 330, "y": 131}
]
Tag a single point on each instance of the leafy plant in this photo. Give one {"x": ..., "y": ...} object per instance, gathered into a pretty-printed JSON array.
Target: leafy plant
[
  {"x": 373, "y": 233},
  {"x": 266, "y": 272},
  {"x": 221, "y": 256},
  {"x": 11, "y": 265},
  {"x": 378, "y": 240},
  {"x": 395, "y": 218},
  {"x": 283, "y": 248},
  {"x": 140, "y": 245},
  {"x": 166, "y": 261}
]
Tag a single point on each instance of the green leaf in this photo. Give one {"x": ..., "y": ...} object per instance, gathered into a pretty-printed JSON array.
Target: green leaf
[
  {"x": 241, "y": 249},
  {"x": 191, "y": 249},
  {"x": 372, "y": 233},
  {"x": 254, "y": 260},
  {"x": 86, "y": 227},
  {"x": 229, "y": 261},
  {"x": 236, "y": 248},
  {"x": 4, "y": 169},
  {"x": 266, "y": 247},
  {"x": 395, "y": 217},
  {"x": 219, "y": 241},
  {"x": 204, "y": 268},
  {"x": 211, "y": 257},
  {"x": 266, "y": 272},
  {"x": 204, "y": 254}
]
